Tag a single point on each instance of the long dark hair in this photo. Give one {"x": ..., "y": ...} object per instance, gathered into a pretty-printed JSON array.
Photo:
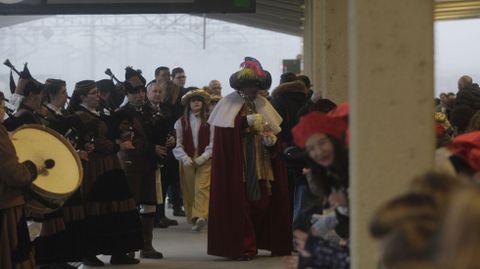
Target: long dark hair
[
  {"x": 203, "y": 111},
  {"x": 325, "y": 178}
]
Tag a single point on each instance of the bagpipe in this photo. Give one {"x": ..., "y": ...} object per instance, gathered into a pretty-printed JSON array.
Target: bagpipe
[
  {"x": 118, "y": 94},
  {"x": 25, "y": 74}
]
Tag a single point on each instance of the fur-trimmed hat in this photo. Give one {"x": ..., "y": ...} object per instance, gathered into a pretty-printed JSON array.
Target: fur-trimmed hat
[
  {"x": 251, "y": 74},
  {"x": 193, "y": 93},
  {"x": 290, "y": 87}
]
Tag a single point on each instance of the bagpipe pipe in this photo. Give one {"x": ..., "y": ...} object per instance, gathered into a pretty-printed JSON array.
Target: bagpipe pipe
[
  {"x": 109, "y": 73},
  {"x": 117, "y": 95},
  {"x": 24, "y": 74},
  {"x": 10, "y": 65}
]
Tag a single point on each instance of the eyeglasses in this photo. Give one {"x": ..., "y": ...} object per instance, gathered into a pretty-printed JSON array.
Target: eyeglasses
[{"x": 181, "y": 77}]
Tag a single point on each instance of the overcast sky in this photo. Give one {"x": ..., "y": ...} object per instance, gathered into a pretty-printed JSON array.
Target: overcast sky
[
  {"x": 61, "y": 46},
  {"x": 75, "y": 48},
  {"x": 457, "y": 53}
]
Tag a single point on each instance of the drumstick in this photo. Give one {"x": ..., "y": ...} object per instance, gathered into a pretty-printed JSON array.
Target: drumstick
[{"x": 49, "y": 164}]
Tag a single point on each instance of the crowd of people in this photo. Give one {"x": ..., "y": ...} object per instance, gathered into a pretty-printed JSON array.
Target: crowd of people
[{"x": 259, "y": 170}]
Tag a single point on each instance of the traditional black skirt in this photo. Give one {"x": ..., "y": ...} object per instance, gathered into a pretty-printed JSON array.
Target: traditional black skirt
[{"x": 113, "y": 220}]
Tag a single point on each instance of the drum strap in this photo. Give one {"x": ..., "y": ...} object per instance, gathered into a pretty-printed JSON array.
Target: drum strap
[{"x": 41, "y": 200}]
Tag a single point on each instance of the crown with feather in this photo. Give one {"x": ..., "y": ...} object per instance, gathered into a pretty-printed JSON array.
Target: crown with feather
[{"x": 251, "y": 74}]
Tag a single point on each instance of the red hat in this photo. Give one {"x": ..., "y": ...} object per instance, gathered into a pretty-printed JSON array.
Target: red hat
[
  {"x": 341, "y": 111},
  {"x": 318, "y": 123},
  {"x": 468, "y": 146}
]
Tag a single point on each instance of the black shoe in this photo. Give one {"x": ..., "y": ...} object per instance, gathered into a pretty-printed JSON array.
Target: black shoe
[
  {"x": 58, "y": 266},
  {"x": 92, "y": 261},
  {"x": 67, "y": 266},
  {"x": 243, "y": 258},
  {"x": 171, "y": 222},
  {"x": 178, "y": 212},
  {"x": 131, "y": 254},
  {"x": 123, "y": 259},
  {"x": 151, "y": 254},
  {"x": 162, "y": 223}
]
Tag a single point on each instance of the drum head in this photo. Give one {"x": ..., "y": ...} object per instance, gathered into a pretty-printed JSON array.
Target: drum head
[{"x": 38, "y": 143}]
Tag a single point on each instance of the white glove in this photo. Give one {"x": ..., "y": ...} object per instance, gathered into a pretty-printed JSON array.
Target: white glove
[
  {"x": 255, "y": 121},
  {"x": 322, "y": 224},
  {"x": 199, "y": 161},
  {"x": 269, "y": 140},
  {"x": 187, "y": 161},
  {"x": 34, "y": 229}
]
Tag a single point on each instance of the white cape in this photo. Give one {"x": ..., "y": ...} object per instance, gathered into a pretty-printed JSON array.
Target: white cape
[{"x": 224, "y": 113}]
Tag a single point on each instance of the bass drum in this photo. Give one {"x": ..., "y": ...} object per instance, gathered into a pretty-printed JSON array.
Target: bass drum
[{"x": 51, "y": 189}]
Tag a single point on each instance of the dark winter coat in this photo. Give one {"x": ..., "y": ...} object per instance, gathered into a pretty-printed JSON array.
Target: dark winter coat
[
  {"x": 469, "y": 96},
  {"x": 287, "y": 99}
]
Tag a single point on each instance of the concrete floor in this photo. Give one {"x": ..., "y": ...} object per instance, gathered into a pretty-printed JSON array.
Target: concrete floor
[{"x": 183, "y": 248}]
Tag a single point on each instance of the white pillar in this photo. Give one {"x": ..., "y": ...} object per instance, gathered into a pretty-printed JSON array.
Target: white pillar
[
  {"x": 391, "y": 116},
  {"x": 310, "y": 42},
  {"x": 325, "y": 47}
]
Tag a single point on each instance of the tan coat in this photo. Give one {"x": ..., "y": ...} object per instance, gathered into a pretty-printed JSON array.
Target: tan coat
[{"x": 14, "y": 175}]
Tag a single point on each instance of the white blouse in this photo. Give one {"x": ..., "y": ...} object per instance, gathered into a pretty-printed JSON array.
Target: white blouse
[{"x": 195, "y": 122}]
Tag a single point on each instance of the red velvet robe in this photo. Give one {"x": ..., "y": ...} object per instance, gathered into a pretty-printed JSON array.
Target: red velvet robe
[{"x": 237, "y": 226}]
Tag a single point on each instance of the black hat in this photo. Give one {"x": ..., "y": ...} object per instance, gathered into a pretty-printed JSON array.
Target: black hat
[
  {"x": 105, "y": 85},
  {"x": 287, "y": 77},
  {"x": 25, "y": 74},
  {"x": 134, "y": 77},
  {"x": 129, "y": 88},
  {"x": 251, "y": 74}
]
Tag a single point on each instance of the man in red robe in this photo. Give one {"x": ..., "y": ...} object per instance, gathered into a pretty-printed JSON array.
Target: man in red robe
[{"x": 249, "y": 205}]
